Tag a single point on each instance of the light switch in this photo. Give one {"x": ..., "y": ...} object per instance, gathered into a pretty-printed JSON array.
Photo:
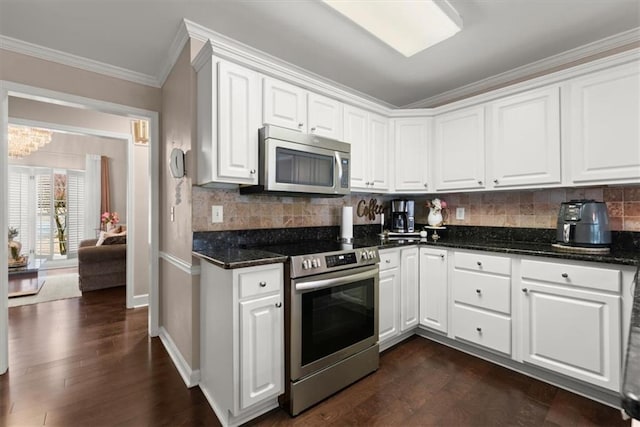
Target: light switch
[
  {"x": 459, "y": 213},
  {"x": 216, "y": 214}
]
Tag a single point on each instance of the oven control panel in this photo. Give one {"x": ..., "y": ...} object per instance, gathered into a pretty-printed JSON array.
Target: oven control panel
[{"x": 306, "y": 265}]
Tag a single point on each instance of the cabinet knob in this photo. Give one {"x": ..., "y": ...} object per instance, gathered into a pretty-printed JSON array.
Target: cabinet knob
[
  {"x": 278, "y": 304},
  {"x": 525, "y": 290},
  {"x": 495, "y": 181},
  {"x": 479, "y": 329},
  {"x": 252, "y": 171},
  {"x": 565, "y": 275},
  {"x": 479, "y": 264},
  {"x": 367, "y": 183},
  {"x": 479, "y": 182},
  {"x": 371, "y": 183},
  {"x": 388, "y": 261},
  {"x": 313, "y": 129},
  {"x": 479, "y": 291},
  {"x": 441, "y": 256},
  {"x": 300, "y": 125},
  {"x": 426, "y": 185},
  {"x": 262, "y": 284}
]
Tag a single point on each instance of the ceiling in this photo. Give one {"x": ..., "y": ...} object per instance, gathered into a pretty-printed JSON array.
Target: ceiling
[{"x": 498, "y": 36}]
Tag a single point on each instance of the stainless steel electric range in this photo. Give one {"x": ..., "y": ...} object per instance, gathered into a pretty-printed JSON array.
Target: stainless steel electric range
[{"x": 331, "y": 319}]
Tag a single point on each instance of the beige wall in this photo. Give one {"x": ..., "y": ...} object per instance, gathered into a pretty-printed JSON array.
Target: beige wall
[
  {"x": 28, "y": 70},
  {"x": 140, "y": 200},
  {"x": 179, "y": 290}
]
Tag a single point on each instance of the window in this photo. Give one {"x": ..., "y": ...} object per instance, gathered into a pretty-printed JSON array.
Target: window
[{"x": 47, "y": 207}]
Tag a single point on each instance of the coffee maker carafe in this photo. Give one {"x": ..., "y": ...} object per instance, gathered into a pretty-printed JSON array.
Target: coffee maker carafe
[{"x": 402, "y": 216}]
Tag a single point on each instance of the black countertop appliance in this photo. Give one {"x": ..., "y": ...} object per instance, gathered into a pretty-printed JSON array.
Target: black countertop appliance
[{"x": 583, "y": 223}]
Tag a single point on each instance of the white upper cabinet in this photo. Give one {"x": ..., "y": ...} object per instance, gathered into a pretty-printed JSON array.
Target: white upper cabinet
[
  {"x": 289, "y": 106},
  {"x": 603, "y": 131},
  {"x": 411, "y": 139},
  {"x": 368, "y": 135},
  {"x": 284, "y": 104},
  {"x": 524, "y": 139},
  {"x": 228, "y": 119},
  {"x": 459, "y": 148},
  {"x": 325, "y": 116}
]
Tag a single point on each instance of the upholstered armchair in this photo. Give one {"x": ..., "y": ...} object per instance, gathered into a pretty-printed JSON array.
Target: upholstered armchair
[{"x": 103, "y": 266}]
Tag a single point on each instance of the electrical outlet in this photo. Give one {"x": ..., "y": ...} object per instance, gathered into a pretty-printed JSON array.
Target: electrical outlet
[
  {"x": 173, "y": 213},
  {"x": 216, "y": 214},
  {"x": 459, "y": 213}
]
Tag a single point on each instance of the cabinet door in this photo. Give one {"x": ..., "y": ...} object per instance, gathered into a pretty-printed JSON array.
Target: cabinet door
[
  {"x": 356, "y": 134},
  {"x": 261, "y": 349},
  {"x": 433, "y": 289},
  {"x": 325, "y": 116},
  {"x": 378, "y": 152},
  {"x": 411, "y": 155},
  {"x": 409, "y": 299},
  {"x": 389, "y": 297},
  {"x": 603, "y": 123},
  {"x": 525, "y": 139},
  {"x": 237, "y": 124},
  {"x": 284, "y": 105},
  {"x": 459, "y": 150},
  {"x": 573, "y": 332}
]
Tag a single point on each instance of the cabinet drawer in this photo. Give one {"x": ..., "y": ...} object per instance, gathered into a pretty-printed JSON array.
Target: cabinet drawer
[
  {"x": 483, "y": 328},
  {"x": 389, "y": 259},
  {"x": 260, "y": 281},
  {"x": 571, "y": 275},
  {"x": 482, "y": 290},
  {"x": 484, "y": 263}
]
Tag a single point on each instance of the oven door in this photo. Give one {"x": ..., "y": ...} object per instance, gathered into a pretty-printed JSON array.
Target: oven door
[{"x": 333, "y": 316}]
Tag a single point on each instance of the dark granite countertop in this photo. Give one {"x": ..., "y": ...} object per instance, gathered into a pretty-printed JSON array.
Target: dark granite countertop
[
  {"x": 238, "y": 257},
  {"x": 631, "y": 377},
  {"x": 616, "y": 256}
]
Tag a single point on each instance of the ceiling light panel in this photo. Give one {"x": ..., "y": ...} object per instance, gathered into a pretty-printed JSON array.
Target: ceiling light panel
[{"x": 408, "y": 26}]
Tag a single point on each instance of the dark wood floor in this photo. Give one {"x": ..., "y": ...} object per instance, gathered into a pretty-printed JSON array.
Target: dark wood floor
[{"x": 88, "y": 362}]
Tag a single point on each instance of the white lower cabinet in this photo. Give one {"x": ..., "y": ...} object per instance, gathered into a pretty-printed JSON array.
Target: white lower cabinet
[
  {"x": 398, "y": 295},
  {"x": 571, "y": 320},
  {"x": 433, "y": 289},
  {"x": 409, "y": 299},
  {"x": 389, "y": 295},
  {"x": 241, "y": 340},
  {"x": 481, "y": 294}
]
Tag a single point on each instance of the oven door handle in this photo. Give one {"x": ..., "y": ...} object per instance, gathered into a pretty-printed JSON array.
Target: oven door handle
[{"x": 336, "y": 281}]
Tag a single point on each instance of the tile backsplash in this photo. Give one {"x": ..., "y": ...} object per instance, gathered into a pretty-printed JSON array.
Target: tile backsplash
[{"x": 526, "y": 208}]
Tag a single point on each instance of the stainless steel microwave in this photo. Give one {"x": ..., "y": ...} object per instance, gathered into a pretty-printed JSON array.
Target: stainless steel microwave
[{"x": 293, "y": 163}]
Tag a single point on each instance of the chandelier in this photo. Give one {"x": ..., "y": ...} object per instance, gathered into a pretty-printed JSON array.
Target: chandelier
[{"x": 25, "y": 140}]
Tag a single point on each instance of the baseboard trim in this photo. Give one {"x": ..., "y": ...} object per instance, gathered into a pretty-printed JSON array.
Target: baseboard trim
[{"x": 190, "y": 377}]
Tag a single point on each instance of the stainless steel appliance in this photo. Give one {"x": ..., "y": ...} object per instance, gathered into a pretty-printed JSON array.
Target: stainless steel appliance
[
  {"x": 296, "y": 163},
  {"x": 331, "y": 318},
  {"x": 402, "y": 216},
  {"x": 583, "y": 223}
]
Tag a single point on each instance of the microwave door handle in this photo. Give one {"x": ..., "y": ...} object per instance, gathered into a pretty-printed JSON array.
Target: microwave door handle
[
  {"x": 336, "y": 281},
  {"x": 339, "y": 164},
  {"x": 566, "y": 232}
]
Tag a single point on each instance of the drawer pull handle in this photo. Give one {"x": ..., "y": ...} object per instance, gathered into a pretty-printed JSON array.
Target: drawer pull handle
[
  {"x": 478, "y": 291},
  {"x": 479, "y": 264},
  {"x": 263, "y": 284},
  {"x": 313, "y": 129},
  {"x": 300, "y": 125},
  {"x": 525, "y": 290},
  {"x": 278, "y": 304},
  {"x": 479, "y": 329},
  {"x": 565, "y": 275}
]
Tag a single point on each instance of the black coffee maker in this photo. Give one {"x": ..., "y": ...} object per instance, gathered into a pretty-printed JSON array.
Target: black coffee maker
[{"x": 402, "y": 216}]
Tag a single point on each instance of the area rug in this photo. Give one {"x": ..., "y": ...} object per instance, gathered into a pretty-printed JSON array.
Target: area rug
[{"x": 55, "y": 287}]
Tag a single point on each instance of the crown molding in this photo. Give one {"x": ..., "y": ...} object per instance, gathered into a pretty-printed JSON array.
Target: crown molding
[
  {"x": 228, "y": 48},
  {"x": 544, "y": 65},
  {"x": 179, "y": 41},
  {"x": 68, "y": 59}
]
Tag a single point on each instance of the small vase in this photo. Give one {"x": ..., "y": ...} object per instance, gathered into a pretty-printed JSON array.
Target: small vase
[
  {"x": 435, "y": 218},
  {"x": 109, "y": 227}
]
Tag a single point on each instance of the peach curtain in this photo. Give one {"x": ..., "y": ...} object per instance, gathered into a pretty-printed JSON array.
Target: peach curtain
[{"x": 105, "y": 190}]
